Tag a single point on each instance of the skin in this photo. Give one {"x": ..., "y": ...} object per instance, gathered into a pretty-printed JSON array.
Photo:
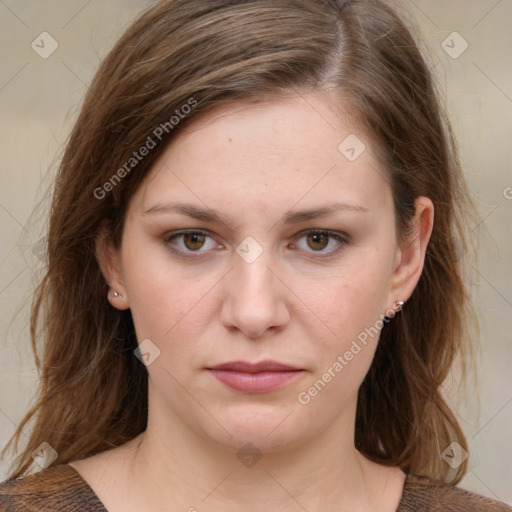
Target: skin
[{"x": 301, "y": 302}]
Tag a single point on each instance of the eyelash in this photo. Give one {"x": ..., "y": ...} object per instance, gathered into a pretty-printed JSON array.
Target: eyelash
[{"x": 342, "y": 238}]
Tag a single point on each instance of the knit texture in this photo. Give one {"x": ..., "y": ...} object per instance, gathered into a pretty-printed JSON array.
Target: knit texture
[
  {"x": 55, "y": 489},
  {"x": 62, "y": 489}
]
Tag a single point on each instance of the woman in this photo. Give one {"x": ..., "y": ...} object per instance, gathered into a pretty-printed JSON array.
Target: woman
[{"x": 253, "y": 292}]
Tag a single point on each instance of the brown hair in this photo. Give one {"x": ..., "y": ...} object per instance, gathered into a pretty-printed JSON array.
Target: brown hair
[{"x": 206, "y": 53}]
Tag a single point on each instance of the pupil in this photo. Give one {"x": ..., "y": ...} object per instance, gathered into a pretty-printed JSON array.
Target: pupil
[
  {"x": 317, "y": 239},
  {"x": 195, "y": 239}
]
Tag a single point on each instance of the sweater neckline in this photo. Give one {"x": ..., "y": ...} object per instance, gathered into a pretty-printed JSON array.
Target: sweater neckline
[{"x": 100, "y": 506}]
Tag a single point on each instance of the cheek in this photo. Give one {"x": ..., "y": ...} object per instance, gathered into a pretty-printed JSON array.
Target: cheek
[
  {"x": 163, "y": 306},
  {"x": 350, "y": 300},
  {"x": 352, "y": 311},
  {"x": 164, "y": 298},
  {"x": 173, "y": 304}
]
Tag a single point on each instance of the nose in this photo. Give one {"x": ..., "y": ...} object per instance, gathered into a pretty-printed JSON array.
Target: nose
[{"x": 254, "y": 299}]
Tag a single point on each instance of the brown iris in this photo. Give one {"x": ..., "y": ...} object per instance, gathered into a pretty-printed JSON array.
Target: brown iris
[
  {"x": 319, "y": 240},
  {"x": 196, "y": 241}
]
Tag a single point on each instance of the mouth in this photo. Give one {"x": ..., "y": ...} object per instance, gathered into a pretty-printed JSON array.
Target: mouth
[{"x": 259, "y": 377}]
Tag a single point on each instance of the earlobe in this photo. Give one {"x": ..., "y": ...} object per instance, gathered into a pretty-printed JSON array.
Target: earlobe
[
  {"x": 109, "y": 262},
  {"x": 411, "y": 254}
]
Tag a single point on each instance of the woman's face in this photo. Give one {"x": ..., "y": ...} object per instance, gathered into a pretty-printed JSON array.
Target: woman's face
[{"x": 263, "y": 234}]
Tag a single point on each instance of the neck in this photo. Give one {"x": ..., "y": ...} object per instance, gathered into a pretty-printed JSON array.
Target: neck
[{"x": 173, "y": 465}]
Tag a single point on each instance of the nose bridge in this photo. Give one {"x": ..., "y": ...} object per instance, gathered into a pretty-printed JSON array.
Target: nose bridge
[
  {"x": 252, "y": 262},
  {"x": 253, "y": 301},
  {"x": 254, "y": 278}
]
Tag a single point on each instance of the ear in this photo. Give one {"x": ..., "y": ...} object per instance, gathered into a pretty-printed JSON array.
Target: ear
[
  {"x": 410, "y": 256},
  {"x": 109, "y": 261}
]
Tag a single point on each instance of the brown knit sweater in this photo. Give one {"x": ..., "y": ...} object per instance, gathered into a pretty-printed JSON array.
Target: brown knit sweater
[{"x": 62, "y": 489}]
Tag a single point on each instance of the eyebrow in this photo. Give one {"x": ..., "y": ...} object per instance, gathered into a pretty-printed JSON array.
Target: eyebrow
[{"x": 290, "y": 217}]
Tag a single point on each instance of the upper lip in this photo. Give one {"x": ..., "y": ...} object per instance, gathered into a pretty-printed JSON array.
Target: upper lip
[{"x": 262, "y": 366}]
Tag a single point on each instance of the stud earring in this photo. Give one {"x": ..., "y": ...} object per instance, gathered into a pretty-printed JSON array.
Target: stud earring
[
  {"x": 115, "y": 294},
  {"x": 398, "y": 305}
]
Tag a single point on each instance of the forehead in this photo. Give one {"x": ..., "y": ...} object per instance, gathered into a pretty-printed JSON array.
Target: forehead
[{"x": 301, "y": 148}]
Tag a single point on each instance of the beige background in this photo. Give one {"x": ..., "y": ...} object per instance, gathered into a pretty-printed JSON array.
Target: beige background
[{"x": 39, "y": 99}]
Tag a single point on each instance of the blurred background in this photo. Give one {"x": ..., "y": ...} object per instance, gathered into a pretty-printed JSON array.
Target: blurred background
[{"x": 49, "y": 52}]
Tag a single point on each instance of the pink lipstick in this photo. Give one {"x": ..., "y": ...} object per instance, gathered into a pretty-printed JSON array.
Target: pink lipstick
[{"x": 254, "y": 377}]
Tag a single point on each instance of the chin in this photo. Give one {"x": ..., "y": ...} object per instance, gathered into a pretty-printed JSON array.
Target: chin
[{"x": 269, "y": 428}]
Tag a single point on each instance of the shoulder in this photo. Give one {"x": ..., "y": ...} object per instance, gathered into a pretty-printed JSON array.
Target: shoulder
[
  {"x": 422, "y": 493},
  {"x": 56, "y": 489}
]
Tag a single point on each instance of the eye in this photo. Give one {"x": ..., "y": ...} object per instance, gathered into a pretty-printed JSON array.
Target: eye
[
  {"x": 198, "y": 241},
  {"x": 190, "y": 241},
  {"x": 318, "y": 240}
]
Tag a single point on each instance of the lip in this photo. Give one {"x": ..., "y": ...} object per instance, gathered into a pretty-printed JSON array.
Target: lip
[
  {"x": 258, "y": 377},
  {"x": 263, "y": 366}
]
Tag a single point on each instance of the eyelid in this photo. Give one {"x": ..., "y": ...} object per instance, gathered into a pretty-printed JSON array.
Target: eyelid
[
  {"x": 342, "y": 239},
  {"x": 194, "y": 231}
]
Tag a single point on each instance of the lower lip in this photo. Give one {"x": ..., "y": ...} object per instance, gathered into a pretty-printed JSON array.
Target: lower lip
[{"x": 259, "y": 382}]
